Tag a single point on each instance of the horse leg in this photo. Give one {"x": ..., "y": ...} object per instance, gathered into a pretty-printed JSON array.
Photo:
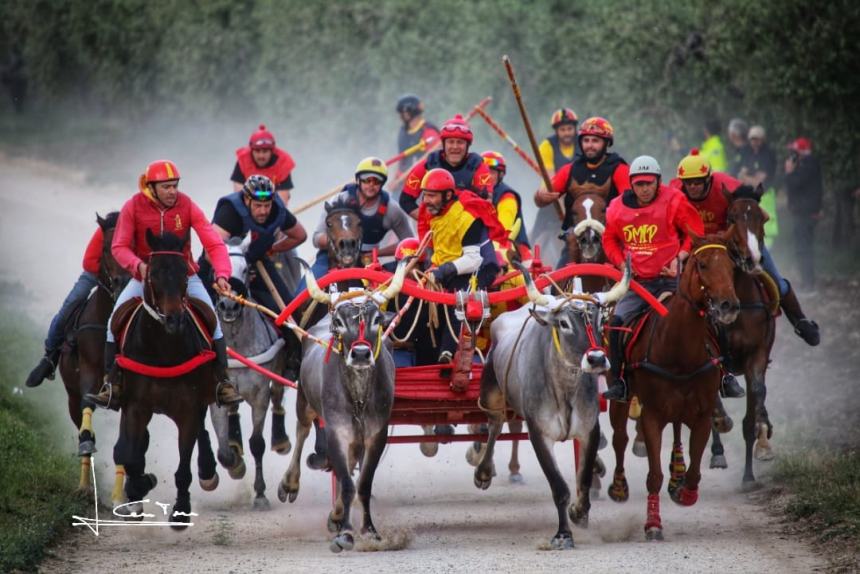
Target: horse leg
[
  {"x": 748, "y": 481},
  {"x": 688, "y": 491},
  {"x": 207, "y": 474},
  {"x": 476, "y": 449},
  {"x": 493, "y": 403},
  {"x": 578, "y": 511},
  {"x": 86, "y": 434},
  {"x": 318, "y": 460},
  {"x": 339, "y": 457},
  {"x": 234, "y": 431},
  {"x": 258, "y": 447},
  {"x": 289, "y": 485},
  {"x": 515, "y": 477},
  {"x": 718, "y": 457},
  {"x": 133, "y": 444},
  {"x": 619, "y": 491},
  {"x": 653, "y": 431},
  {"x": 228, "y": 455},
  {"x": 677, "y": 467},
  {"x": 373, "y": 449},
  {"x": 762, "y": 450},
  {"x": 563, "y": 539},
  {"x": 280, "y": 439},
  {"x": 189, "y": 430},
  {"x": 639, "y": 448}
]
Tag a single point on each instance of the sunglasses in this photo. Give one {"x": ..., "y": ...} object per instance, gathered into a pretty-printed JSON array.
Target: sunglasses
[
  {"x": 494, "y": 163},
  {"x": 457, "y": 128},
  {"x": 370, "y": 179},
  {"x": 261, "y": 195}
]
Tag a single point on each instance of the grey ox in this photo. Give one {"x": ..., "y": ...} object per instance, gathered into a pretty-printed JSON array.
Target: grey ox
[
  {"x": 352, "y": 391},
  {"x": 544, "y": 366}
]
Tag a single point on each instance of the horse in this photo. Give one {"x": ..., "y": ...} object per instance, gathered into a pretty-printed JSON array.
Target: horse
[
  {"x": 81, "y": 362},
  {"x": 250, "y": 334},
  {"x": 177, "y": 378},
  {"x": 673, "y": 369},
  {"x": 750, "y": 338}
]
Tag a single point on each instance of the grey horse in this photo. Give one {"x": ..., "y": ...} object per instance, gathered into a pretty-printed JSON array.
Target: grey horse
[
  {"x": 543, "y": 365},
  {"x": 250, "y": 334},
  {"x": 353, "y": 392}
]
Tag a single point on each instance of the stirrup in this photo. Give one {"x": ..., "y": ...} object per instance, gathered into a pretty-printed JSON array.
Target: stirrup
[
  {"x": 730, "y": 388},
  {"x": 232, "y": 400},
  {"x": 105, "y": 398},
  {"x": 617, "y": 391}
]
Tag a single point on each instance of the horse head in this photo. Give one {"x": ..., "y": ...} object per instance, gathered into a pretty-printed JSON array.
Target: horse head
[
  {"x": 343, "y": 230},
  {"x": 166, "y": 280},
  {"x": 229, "y": 309},
  {"x": 589, "y": 211},
  {"x": 708, "y": 278},
  {"x": 111, "y": 275},
  {"x": 748, "y": 219}
]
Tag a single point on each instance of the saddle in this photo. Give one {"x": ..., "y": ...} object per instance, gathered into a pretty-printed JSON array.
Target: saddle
[
  {"x": 632, "y": 329},
  {"x": 201, "y": 314},
  {"x": 73, "y": 325}
]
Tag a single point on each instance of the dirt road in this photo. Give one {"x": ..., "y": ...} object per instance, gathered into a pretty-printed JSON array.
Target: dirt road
[{"x": 451, "y": 526}]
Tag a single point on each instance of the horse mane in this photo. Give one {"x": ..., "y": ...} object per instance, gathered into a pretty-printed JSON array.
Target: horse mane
[
  {"x": 166, "y": 242},
  {"x": 109, "y": 221},
  {"x": 747, "y": 192}
]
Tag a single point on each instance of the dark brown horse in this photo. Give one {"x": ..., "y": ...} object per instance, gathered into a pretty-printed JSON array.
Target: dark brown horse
[
  {"x": 673, "y": 369},
  {"x": 81, "y": 361},
  {"x": 162, "y": 335},
  {"x": 585, "y": 239}
]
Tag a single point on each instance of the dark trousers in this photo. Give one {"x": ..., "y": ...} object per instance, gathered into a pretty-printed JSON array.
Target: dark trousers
[{"x": 803, "y": 235}]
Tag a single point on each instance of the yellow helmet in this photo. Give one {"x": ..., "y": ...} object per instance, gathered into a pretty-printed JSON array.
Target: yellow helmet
[
  {"x": 694, "y": 166},
  {"x": 374, "y": 166}
]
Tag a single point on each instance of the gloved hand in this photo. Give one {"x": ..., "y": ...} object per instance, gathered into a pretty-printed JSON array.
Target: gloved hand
[
  {"x": 258, "y": 248},
  {"x": 444, "y": 272}
]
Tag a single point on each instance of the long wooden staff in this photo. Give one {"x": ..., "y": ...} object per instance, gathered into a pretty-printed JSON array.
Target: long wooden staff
[{"x": 504, "y": 135}]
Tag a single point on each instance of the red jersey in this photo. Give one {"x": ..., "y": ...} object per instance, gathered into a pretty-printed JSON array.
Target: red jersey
[
  {"x": 472, "y": 174},
  {"x": 714, "y": 208},
  {"x": 653, "y": 234},
  {"x": 93, "y": 254},
  {"x": 143, "y": 212},
  {"x": 279, "y": 172}
]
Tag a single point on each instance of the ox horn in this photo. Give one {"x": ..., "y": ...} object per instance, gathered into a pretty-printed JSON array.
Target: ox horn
[
  {"x": 580, "y": 227},
  {"x": 619, "y": 289},
  {"x": 535, "y": 296},
  {"x": 317, "y": 294},
  {"x": 396, "y": 284}
]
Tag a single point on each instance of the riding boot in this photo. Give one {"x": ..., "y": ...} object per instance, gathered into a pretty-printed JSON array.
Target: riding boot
[
  {"x": 110, "y": 395},
  {"x": 805, "y": 328},
  {"x": 617, "y": 390},
  {"x": 225, "y": 392},
  {"x": 729, "y": 386},
  {"x": 45, "y": 369}
]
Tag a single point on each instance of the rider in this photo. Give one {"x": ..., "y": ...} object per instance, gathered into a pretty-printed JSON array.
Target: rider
[
  {"x": 378, "y": 213},
  {"x": 262, "y": 157},
  {"x": 703, "y": 188},
  {"x": 415, "y": 129},
  {"x": 467, "y": 168},
  {"x": 79, "y": 293},
  {"x": 595, "y": 171},
  {"x": 258, "y": 209},
  {"x": 161, "y": 208},
  {"x": 508, "y": 204},
  {"x": 559, "y": 149},
  {"x": 655, "y": 255}
]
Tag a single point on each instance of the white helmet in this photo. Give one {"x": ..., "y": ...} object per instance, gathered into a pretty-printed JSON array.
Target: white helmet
[{"x": 645, "y": 165}]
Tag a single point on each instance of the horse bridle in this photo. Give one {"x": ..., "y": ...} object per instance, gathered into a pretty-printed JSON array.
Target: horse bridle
[
  {"x": 707, "y": 310},
  {"x": 153, "y": 309},
  {"x": 735, "y": 253}
]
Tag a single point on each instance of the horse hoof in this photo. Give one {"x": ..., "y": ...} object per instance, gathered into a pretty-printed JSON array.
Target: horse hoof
[
  {"x": 86, "y": 448},
  {"x": 429, "y": 449},
  {"x": 578, "y": 516},
  {"x": 332, "y": 524},
  {"x": 619, "y": 491},
  {"x": 723, "y": 424},
  {"x": 750, "y": 485},
  {"x": 129, "y": 511},
  {"x": 603, "y": 442},
  {"x": 654, "y": 534},
  {"x": 763, "y": 453},
  {"x": 153, "y": 480},
  {"x": 639, "y": 449},
  {"x": 561, "y": 542},
  {"x": 483, "y": 479},
  {"x": 178, "y": 518},
  {"x": 209, "y": 484},
  {"x": 516, "y": 478},
  {"x": 261, "y": 503},
  {"x": 599, "y": 468},
  {"x": 684, "y": 496},
  {"x": 341, "y": 542},
  {"x": 238, "y": 471},
  {"x": 317, "y": 461},
  {"x": 473, "y": 457},
  {"x": 371, "y": 533},
  {"x": 719, "y": 461},
  {"x": 237, "y": 447},
  {"x": 283, "y": 447}
]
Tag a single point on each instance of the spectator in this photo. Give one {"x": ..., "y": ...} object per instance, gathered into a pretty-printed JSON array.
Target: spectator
[
  {"x": 803, "y": 185},
  {"x": 712, "y": 147},
  {"x": 738, "y": 130},
  {"x": 759, "y": 168}
]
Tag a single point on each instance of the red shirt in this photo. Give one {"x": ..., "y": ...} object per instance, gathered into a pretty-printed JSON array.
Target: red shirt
[
  {"x": 278, "y": 173},
  {"x": 141, "y": 212},
  {"x": 653, "y": 234},
  {"x": 93, "y": 254},
  {"x": 714, "y": 208},
  {"x": 481, "y": 180}
]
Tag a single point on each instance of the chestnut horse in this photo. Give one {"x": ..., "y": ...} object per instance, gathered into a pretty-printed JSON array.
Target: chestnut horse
[{"x": 673, "y": 369}]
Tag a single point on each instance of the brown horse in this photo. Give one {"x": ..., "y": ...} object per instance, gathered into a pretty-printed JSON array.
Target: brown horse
[
  {"x": 750, "y": 338},
  {"x": 673, "y": 370},
  {"x": 585, "y": 239},
  {"x": 81, "y": 361}
]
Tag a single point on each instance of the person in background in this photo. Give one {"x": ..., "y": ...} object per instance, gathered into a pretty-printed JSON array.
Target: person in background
[
  {"x": 804, "y": 187},
  {"x": 415, "y": 129},
  {"x": 759, "y": 168},
  {"x": 739, "y": 147},
  {"x": 262, "y": 157},
  {"x": 712, "y": 147}
]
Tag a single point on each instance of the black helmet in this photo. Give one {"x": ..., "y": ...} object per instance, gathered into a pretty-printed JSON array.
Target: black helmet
[
  {"x": 409, "y": 103},
  {"x": 259, "y": 188}
]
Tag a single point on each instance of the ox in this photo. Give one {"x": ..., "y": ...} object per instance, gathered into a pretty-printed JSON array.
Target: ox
[{"x": 543, "y": 365}]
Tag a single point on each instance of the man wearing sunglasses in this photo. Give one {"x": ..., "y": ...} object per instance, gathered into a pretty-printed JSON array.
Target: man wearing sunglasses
[{"x": 466, "y": 167}]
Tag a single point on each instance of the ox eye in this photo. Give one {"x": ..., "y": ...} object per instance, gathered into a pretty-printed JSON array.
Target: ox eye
[
  {"x": 376, "y": 321},
  {"x": 338, "y": 324},
  {"x": 565, "y": 326}
]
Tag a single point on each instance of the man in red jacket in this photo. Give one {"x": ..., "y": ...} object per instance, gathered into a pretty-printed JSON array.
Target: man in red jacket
[
  {"x": 161, "y": 208},
  {"x": 651, "y": 222},
  {"x": 262, "y": 157}
]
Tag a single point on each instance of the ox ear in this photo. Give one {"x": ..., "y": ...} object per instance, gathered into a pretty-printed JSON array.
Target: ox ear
[
  {"x": 541, "y": 315},
  {"x": 387, "y": 318}
]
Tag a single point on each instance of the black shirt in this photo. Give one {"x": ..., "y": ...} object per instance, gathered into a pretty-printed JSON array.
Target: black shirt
[
  {"x": 230, "y": 221},
  {"x": 764, "y": 160},
  {"x": 239, "y": 177}
]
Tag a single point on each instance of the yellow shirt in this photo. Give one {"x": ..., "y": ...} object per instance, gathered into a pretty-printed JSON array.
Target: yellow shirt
[
  {"x": 507, "y": 212},
  {"x": 448, "y": 232},
  {"x": 548, "y": 157}
]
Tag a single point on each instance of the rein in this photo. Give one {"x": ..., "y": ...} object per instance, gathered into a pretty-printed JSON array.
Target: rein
[{"x": 153, "y": 310}]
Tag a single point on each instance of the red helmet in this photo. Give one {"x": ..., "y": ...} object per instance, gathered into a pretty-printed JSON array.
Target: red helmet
[
  {"x": 438, "y": 180},
  {"x": 456, "y": 127},
  {"x": 564, "y": 116},
  {"x": 801, "y": 145},
  {"x": 407, "y": 248},
  {"x": 599, "y": 127},
  {"x": 495, "y": 160},
  {"x": 160, "y": 170},
  {"x": 262, "y": 139}
]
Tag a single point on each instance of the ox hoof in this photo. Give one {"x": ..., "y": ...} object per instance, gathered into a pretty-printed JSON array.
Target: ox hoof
[
  {"x": 87, "y": 447},
  {"x": 654, "y": 534},
  {"x": 317, "y": 461},
  {"x": 578, "y": 516},
  {"x": 209, "y": 484},
  {"x": 516, "y": 478},
  {"x": 332, "y": 524},
  {"x": 342, "y": 542},
  {"x": 286, "y": 492},
  {"x": 261, "y": 503},
  {"x": 719, "y": 461},
  {"x": 429, "y": 449},
  {"x": 639, "y": 449},
  {"x": 562, "y": 541}
]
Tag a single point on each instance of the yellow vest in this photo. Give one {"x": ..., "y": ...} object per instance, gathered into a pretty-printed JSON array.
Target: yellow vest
[{"x": 448, "y": 231}]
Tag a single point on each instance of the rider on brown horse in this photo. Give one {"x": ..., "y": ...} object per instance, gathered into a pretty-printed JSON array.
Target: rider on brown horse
[
  {"x": 705, "y": 190},
  {"x": 161, "y": 208},
  {"x": 652, "y": 222}
]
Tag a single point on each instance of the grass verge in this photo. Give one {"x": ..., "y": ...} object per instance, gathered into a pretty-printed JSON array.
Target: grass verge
[{"x": 38, "y": 479}]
